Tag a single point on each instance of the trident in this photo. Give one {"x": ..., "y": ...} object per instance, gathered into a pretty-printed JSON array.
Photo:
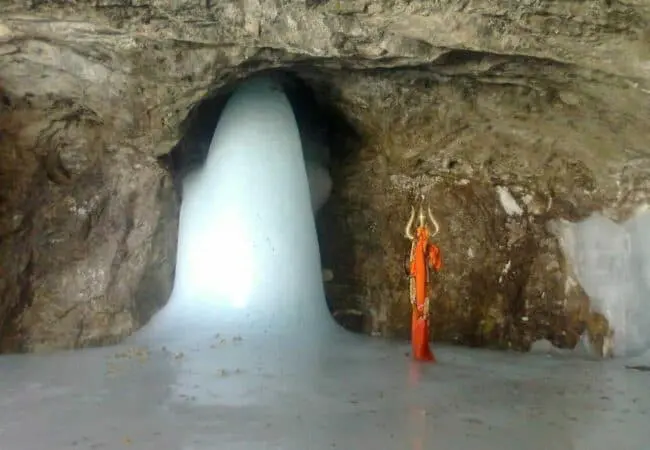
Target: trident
[{"x": 408, "y": 232}]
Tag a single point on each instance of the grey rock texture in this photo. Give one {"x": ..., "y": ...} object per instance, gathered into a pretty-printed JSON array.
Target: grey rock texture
[{"x": 507, "y": 115}]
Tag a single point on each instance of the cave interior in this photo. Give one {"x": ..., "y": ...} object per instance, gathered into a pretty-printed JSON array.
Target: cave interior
[
  {"x": 524, "y": 125},
  {"x": 318, "y": 117}
]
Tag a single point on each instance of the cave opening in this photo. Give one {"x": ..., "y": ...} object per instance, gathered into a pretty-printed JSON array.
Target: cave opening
[{"x": 329, "y": 143}]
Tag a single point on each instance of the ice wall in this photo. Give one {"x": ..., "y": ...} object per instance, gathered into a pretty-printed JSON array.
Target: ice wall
[
  {"x": 248, "y": 258},
  {"x": 612, "y": 264}
]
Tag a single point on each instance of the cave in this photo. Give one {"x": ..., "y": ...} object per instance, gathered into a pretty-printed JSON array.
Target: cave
[
  {"x": 331, "y": 142},
  {"x": 523, "y": 127}
]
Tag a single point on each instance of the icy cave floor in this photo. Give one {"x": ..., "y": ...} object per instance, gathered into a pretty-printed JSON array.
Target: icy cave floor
[{"x": 197, "y": 390}]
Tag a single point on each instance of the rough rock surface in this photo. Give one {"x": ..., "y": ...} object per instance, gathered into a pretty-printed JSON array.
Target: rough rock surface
[
  {"x": 506, "y": 115},
  {"x": 88, "y": 233},
  {"x": 498, "y": 163}
]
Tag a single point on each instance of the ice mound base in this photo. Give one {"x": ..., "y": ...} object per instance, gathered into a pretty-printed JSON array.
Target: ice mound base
[{"x": 246, "y": 355}]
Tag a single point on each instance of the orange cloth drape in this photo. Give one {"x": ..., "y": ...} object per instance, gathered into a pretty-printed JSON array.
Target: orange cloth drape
[{"x": 424, "y": 257}]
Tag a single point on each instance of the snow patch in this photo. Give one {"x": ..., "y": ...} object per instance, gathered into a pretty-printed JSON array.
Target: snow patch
[
  {"x": 505, "y": 271},
  {"x": 569, "y": 284},
  {"x": 508, "y": 202}
]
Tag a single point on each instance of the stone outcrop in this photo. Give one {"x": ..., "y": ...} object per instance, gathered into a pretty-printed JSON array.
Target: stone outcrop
[
  {"x": 87, "y": 235},
  {"x": 508, "y": 116}
]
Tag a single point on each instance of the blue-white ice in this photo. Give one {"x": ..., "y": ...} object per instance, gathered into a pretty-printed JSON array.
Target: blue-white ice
[
  {"x": 612, "y": 264},
  {"x": 248, "y": 248},
  {"x": 246, "y": 355}
]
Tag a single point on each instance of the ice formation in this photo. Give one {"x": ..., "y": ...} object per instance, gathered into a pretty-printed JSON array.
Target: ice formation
[
  {"x": 612, "y": 264},
  {"x": 248, "y": 251}
]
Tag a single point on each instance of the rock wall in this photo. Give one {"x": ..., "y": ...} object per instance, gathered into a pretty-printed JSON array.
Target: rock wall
[
  {"x": 87, "y": 229},
  {"x": 507, "y": 115},
  {"x": 498, "y": 165}
]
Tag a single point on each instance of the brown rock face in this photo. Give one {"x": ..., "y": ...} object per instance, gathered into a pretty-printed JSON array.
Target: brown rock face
[
  {"x": 88, "y": 239},
  {"x": 497, "y": 163},
  {"x": 507, "y": 116}
]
